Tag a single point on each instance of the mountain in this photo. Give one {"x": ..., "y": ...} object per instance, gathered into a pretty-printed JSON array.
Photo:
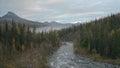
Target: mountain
[
  {"x": 12, "y": 17},
  {"x": 57, "y": 24}
]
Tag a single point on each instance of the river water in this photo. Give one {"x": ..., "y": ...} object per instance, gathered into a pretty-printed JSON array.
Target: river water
[{"x": 65, "y": 57}]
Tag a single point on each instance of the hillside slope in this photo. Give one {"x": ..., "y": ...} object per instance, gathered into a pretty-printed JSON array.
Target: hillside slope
[{"x": 101, "y": 37}]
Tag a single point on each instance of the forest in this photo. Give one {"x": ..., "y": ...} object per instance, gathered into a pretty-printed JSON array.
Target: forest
[
  {"x": 98, "y": 37},
  {"x": 16, "y": 39}
]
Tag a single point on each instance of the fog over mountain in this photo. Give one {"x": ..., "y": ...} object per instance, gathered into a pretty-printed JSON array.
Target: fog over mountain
[{"x": 41, "y": 26}]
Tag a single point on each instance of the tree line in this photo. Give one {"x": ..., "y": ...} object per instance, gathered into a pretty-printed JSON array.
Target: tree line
[
  {"x": 101, "y": 36},
  {"x": 17, "y": 38}
]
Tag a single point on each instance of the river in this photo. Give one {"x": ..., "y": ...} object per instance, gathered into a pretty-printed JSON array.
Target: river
[{"x": 65, "y": 57}]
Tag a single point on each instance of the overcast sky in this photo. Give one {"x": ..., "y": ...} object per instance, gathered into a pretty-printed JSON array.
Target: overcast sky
[{"x": 64, "y": 11}]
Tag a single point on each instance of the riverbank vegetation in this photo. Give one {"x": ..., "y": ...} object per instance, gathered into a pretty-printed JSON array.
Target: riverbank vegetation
[
  {"x": 18, "y": 39},
  {"x": 98, "y": 39}
]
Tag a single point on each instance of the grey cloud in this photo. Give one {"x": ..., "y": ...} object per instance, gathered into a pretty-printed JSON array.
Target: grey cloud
[{"x": 60, "y": 10}]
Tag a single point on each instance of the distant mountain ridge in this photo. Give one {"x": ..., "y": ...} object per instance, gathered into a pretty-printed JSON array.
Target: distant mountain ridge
[{"x": 12, "y": 17}]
